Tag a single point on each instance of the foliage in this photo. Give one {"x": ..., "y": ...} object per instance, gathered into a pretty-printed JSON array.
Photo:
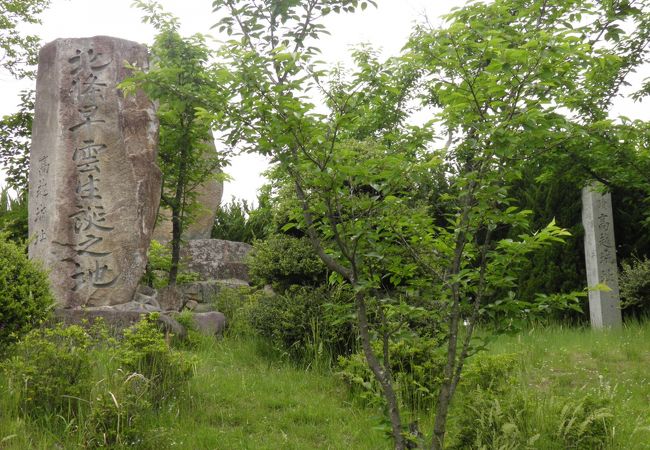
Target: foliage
[
  {"x": 492, "y": 417},
  {"x": 192, "y": 339},
  {"x": 239, "y": 222},
  {"x": 182, "y": 82},
  {"x": 26, "y": 297},
  {"x": 490, "y": 372},
  {"x": 17, "y": 52},
  {"x": 283, "y": 261},
  {"x": 416, "y": 365},
  {"x": 309, "y": 324},
  {"x": 159, "y": 263},
  {"x": 585, "y": 423},
  {"x": 82, "y": 381},
  {"x": 13, "y": 217},
  {"x": 50, "y": 371},
  {"x": 15, "y": 140},
  {"x": 144, "y": 351},
  {"x": 116, "y": 416},
  {"x": 236, "y": 303},
  {"x": 490, "y": 421},
  {"x": 634, "y": 282},
  {"x": 558, "y": 268},
  {"x": 515, "y": 84}
]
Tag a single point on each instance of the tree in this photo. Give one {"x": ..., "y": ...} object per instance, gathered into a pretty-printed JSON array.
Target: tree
[
  {"x": 18, "y": 55},
  {"x": 15, "y": 141},
  {"x": 18, "y": 52},
  {"x": 354, "y": 169},
  {"x": 519, "y": 82},
  {"x": 183, "y": 84}
]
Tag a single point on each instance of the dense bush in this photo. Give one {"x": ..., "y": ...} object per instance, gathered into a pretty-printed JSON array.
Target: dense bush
[
  {"x": 283, "y": 261},
  {"x": 634, "y": 279},
  {"x": 50, "y": 371},
  {"x": 71, "y": 379},
  {"x": 24, "y": 292},
  {"x": 237, "y": 221},
  {"x": 144, "y": 351},
  {"x": 416, "y": 364},
  {"x": 306, "y": 322}
]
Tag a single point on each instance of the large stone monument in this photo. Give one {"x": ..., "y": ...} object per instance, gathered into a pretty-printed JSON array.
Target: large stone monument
[
  {"x": 600, "y": 258},
  {"x": 94, "y": 186}
]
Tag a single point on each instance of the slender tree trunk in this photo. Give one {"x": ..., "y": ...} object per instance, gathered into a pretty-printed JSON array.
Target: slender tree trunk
[
  {"x": 447, "y": 388},
  {"x": 380, "y": 373},
  {"x": 176, "y": 245},
  {"x": 178, "y": 206}
]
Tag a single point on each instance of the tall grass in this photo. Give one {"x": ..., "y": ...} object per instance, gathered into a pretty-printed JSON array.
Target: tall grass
[
  {"x": 577, "y": 387},
  {"x": 546, "y": 388},
  {"x": 243, "y": 396}
]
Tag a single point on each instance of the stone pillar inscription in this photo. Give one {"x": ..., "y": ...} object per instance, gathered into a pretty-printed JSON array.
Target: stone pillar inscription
[
  {"x": 94, "y": 185},
  {"x": 600, "y": 258}
]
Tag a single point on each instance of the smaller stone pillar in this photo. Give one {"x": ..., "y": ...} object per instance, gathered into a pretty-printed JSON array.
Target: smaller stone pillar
[{"x": 600, "y": 258}]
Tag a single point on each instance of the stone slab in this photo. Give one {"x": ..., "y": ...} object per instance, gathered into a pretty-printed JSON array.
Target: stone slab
[
  {"x": 600, "y": 258},
  {"x": 94, "y": 186}
]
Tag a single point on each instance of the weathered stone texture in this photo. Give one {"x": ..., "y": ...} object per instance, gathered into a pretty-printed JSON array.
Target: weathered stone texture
[
  {"x": 600, "y": 258},
  {"x": 94, "y": 185},
  {"x": 216, "y": 259}
]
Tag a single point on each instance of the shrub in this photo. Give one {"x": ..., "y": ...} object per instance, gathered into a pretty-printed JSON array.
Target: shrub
[
  {"x": 50, "y": 371},
  {"x": 13, "y": 217},
  {"x": 283, "y": 261},
  {"x": 237, "y": 221},
  {"x": 489, "y": 372},
  {"x": 144, "y": 350},
  {"x": 193, "y": 337},
  {"x": 416, "y": 365},
  {"x": 306, "y": 323},
  {"x": 491, "y": 421},
  {"x": 25, "y": 294},
  {"x": 634, "y": 280},
  {"x": 236, "y": 303},
  {"x": 159, "y": 262},
  {"x": 116, "y": 415},
  {"x": 493, "y": 414}
]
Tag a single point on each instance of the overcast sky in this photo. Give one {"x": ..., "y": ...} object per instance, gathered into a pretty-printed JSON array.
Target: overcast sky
[{"x": 386, "y": 27}]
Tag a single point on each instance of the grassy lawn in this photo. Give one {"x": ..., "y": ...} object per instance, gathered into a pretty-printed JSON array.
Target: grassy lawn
[
  {"x": 239, "y": 398},
  {"x": 244, "y": 400},
  {"x": 559, "y": 363},
  {"x": 244, "y": 397}
]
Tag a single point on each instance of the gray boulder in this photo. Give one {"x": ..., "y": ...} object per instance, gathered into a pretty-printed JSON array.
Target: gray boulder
[
  {"x": 216, "y": 259},
  {"x": 210, "y": 323}
]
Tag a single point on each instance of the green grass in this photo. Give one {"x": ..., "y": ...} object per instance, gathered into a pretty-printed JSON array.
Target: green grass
[
  {"x": 560, "y": 364},
  {"x": 240, "y": 398},
  {"x": 243, "y": 399},
  {"x": 243, "y": 396}
]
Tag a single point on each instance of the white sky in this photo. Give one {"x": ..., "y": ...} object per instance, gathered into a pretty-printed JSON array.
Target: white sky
[{"x": 386, "y": 27}]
